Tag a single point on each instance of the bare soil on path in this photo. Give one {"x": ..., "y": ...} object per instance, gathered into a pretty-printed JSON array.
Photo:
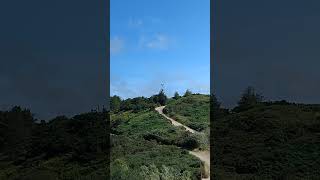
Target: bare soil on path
[
  {"x": 202, "y": 155},
  {"x": 174, "y": 122}
]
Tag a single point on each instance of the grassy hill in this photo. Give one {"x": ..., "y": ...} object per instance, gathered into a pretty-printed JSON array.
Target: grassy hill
[
  {"x": 144, "y": 145},
  {"x": 145, "y": 140},
  {"x": 149, "y": 125},
  {"x": 192, "y": 111},
  {"x": 275, "y": 140},
  {"x": 141, "y": 159}
]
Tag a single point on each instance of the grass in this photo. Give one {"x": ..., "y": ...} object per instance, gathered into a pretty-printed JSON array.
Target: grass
[
  {"x": 56, "y": 168},
  {"x": 128, "y": 156},
  {"x": 268, "y": 141},
  {"x": 192, "y": 111},
  {"x": 144, "y": 123},
  {"x": 146, "y": 140},
  {"x": 144, "y": 145}
]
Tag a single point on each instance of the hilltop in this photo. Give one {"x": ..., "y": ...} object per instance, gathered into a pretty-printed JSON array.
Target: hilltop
[{"x": 192, "y": 110}]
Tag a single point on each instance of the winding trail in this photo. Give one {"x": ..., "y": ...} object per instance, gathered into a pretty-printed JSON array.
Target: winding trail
[
  {"x": 202, "y": 155},
  {"x": 174, "y": 122}
]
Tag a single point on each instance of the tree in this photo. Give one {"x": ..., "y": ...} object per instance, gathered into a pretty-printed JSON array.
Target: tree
[
  {"x": 154, "y": 99},
  {"x": 176, "y": 96},
  {"x": 162, "y": 98},
  {"x": 248, "y": 99},
  {"x": 215, "y": 106},
  {"x": 16, "y": 132},
  {"x": 115, "y": 103},
  {"x": 187, "y": 93},
  {"x": 189, "y": 142}
]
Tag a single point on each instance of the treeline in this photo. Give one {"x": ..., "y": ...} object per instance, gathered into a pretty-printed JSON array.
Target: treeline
[
  {"x": 250, "y": 99},
  {"x": 261, "y": 139},
  {"x": 138, "y": 103},
  {"x": 142, "y": 103},
  {"x": 26, "y": 143}
]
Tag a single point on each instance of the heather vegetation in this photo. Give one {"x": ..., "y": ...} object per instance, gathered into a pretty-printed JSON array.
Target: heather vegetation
[
  {"x": 147, "y": 146},
  {"x": 266, "y": 140},
  {"x": 62, "y": 148},
  {"x": 257, "y": 139},
  {"x": 191, "y": 110},
  {"x": 143, "y": 144}
]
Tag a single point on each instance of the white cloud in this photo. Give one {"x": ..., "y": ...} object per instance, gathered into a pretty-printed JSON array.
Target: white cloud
[
  {"x": 155, "y": 20},
  {"x": 121, "y": 87},
  {"x": 135, "y": 23},
  {"x": 159, "y": 41},
  {"x": 176, "y": 81},
  {"x": 116, "y": 45}
]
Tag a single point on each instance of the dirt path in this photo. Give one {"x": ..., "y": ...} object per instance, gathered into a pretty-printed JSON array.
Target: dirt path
[
  {"x": 202, "y": 155},
  {"x": 174, "y": 122}
]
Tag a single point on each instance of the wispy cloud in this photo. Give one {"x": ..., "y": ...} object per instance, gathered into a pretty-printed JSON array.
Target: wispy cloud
[
  {"x": 143, "y": 22},
  {"x": 176, "y": 81},
  {"x": 154, "y": 20},
  {"x": 121, "y": 87},
  {"x": 135, "y": 23},
  {"x": 158, "y": 41},
  {"x": 116, "y": 45},
  {"x": 149, "y": 37}
]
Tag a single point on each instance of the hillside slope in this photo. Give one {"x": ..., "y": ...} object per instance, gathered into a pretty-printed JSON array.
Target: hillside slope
[
  {"x": 204, "y": 156},
  {"x": 145, "y": 141},
  {"x": 192, "y": 111},
  {"x": 146, "y": 145},
  {"x": 268, "y": 141},
  {"x": 63, "y": 148}
]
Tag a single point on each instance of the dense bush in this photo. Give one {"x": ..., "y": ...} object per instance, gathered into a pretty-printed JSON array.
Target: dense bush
[
  {"x": 268, "y": 141},
  {"x": 187, "y": 93},
  {"x": 144, "y": 144},
  {"x": 149, "y": 125},
  {"x": 176, "y": 96},
  {"x": 137, "y": 104},
  {"x": 115, "y": 103},
  {"x": 51, "y": 149},
  {"x": 133, "y": 158},
  {"x": 189, "y": 142},
  {"x": 192, "y": 110},
  {"x": 248, "y": 100},
  {"x": 144, "y": 138}
]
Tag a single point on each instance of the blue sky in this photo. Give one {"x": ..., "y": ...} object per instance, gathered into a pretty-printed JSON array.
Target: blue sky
[{"x": 154, "y": 42}]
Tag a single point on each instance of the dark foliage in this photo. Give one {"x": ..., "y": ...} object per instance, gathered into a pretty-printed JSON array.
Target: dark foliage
[
  {"x": 115, "y": 103},
  {"x": 192, "y": 110},
  {"x": 176, "y": 96},
  {"x": 187, "y": 93},
  {"x": 216, "y": 111},
  {"x": 160, "y": 98},
  {"x": 144, "y": 138},
  {"x": 137, "y": 104},
  {"x": 248, "y": 99},
  {"x": 271, "y": 140},
  {"x": 27, "y": 143},
  {"x": 130, "y": 154}
]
